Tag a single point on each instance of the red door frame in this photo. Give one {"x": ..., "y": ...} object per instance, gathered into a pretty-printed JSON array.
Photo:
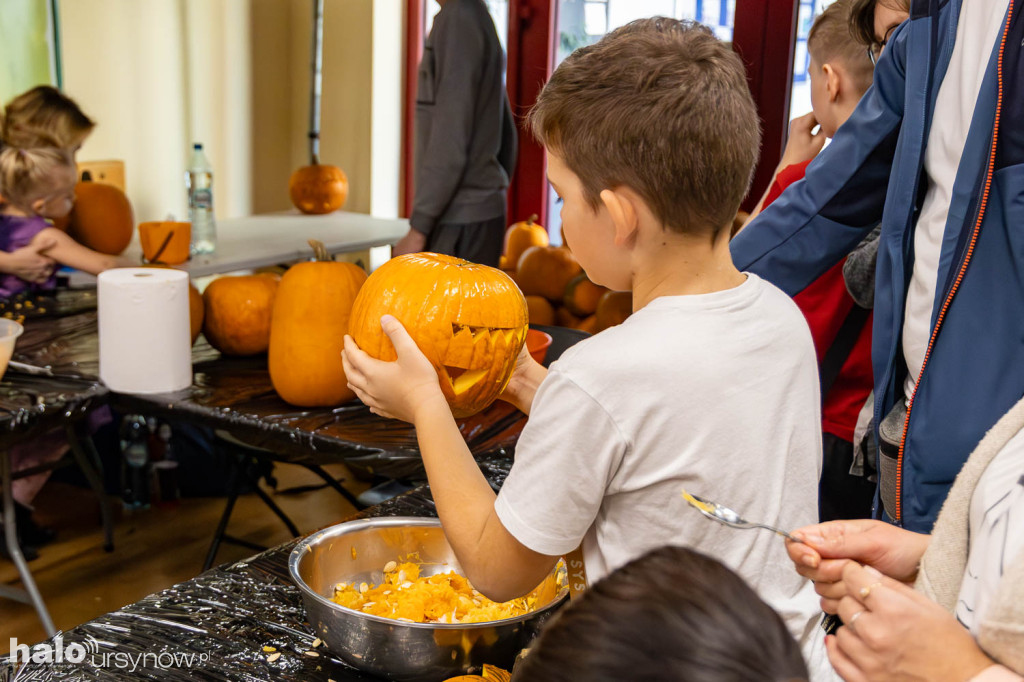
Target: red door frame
[{"x": 759, "y": 36}]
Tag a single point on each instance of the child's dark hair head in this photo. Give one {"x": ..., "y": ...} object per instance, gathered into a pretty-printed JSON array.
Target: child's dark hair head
[
  {"x": 831, "y": 39},
  {"x": 44, "y": 117},
  {"x": 660, "y": 106},
  {"x": 672, "y": 614}
]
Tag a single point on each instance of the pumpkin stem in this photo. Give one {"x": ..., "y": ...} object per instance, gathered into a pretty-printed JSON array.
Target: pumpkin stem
[
  {"x": 86, "y": 176},
  {"x": 320, "y": 252},
  {"x": 314, "y": 160},
  {"x": 532, "y": 219}
]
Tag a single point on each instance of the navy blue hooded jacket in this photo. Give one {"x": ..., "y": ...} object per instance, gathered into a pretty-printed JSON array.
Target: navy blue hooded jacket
[{"x": 873, "y": 171}]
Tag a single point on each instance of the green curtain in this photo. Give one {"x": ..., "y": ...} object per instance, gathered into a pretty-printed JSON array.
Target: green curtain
[{"x": 28, "y": 51}]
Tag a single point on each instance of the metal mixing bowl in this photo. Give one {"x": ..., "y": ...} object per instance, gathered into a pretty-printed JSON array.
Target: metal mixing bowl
[{"x": 397, "y": 650}]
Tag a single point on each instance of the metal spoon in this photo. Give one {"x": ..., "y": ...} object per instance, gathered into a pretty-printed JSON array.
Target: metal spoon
[{"x": 715, "y": 511}]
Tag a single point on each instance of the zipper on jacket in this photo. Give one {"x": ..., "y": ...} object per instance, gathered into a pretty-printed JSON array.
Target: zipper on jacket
[{"x": 990, "y": 168}]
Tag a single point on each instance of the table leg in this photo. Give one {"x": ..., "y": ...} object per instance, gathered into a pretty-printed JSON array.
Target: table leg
[
  {"x": 14, "y": 549},
  {"x": 88, "y": 460}
]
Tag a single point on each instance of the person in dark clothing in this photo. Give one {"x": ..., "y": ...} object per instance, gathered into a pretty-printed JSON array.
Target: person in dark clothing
[{"x": 465, "y": 139}]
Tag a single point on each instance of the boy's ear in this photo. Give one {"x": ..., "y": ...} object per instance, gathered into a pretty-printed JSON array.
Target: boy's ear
[
  {"x": 38, "y": 205},
  {"x": 833, "y": 81},
  {"x": 623, "y": 212}
]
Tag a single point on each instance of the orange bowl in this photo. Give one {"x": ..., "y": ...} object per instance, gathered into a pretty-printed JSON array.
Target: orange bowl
[{"x": 537, "y": 343}]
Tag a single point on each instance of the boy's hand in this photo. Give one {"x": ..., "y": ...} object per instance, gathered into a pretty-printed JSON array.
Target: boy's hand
[
  {"x": 526, "y": 377},
  {"x": 894, "y": 634},
  {"x": 830, "y": 546},
  {"x": 392, "y": 389},
  {"x": 803, "y": 144}
]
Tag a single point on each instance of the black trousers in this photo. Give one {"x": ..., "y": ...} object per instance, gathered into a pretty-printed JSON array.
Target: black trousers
[
  {"x": 480, "y": 242},
  {"x": 842, "y": 495}
]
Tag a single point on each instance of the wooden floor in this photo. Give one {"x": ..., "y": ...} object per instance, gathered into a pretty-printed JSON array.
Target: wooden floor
[{"x": 154, "y": 548}]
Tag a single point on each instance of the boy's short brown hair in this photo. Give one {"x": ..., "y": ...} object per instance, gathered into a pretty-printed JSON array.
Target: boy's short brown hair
[
  {"x": 44, "y": 117},
  {"x": 660, "y": 106},
  {"x": 831, "y": 40}
]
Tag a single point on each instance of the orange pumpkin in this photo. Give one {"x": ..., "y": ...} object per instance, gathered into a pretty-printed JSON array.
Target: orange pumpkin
[
  {"x": 165, "y": 241},
  {"x": 469, "y": 320},
  {"x": 521, "y": 236},
  {"x": 102, "y": 218},
  {"x": 238, "y": 310},
  {"x": 581, "y": 295},
  {"x": 540, "y": 310},
  {"x": 564, "y": 318},
  {"x": 613, "y": 308},
  {"x": 546, "y": 270},
  {"x": 307, "y": 330},
  {"x": 588, "y": 324},
  {"x": 318, "y": 188},
  {"x": 195, "y": 311}
]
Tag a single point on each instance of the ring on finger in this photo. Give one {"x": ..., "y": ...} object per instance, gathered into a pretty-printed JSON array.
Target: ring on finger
[
  {"x": 853, "y": 619},
  {"x": 865, "y": 591}
]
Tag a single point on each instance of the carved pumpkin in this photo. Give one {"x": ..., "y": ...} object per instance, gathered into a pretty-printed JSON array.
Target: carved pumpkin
[
  {"x": 520, "y": 237},
  {"x": 102, "y": 218},
  {"x": 238, "y": 310},
  {"x": 307, "y": 330},
  {"x": 469, "y": 320},
  {"x": 613, "y": 308},
  {"x": 581, "y": 295},
  {"x": 318, "y": 188},
  {"x": 546, "y": 270}
]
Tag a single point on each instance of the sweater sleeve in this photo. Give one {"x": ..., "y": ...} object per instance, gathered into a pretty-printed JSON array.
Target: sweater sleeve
[
  {"x": 459, "y": 53},
  {"x": 820, "y": 219}
]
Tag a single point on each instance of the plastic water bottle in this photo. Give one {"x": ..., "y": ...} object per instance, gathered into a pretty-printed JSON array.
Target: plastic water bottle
[
  {"x": 135, "y": 461},
  {"x": 199, "y": 182}
]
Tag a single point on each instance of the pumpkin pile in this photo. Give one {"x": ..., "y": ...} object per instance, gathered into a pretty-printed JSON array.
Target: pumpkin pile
[
  {"x": 469, "y": 320},
  {"x": 557, "y": 290},
  {"x": 307, "y": 330}
]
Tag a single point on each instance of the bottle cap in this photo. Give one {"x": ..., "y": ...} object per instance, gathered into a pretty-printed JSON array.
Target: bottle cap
[{"x": 197, "y": 146}]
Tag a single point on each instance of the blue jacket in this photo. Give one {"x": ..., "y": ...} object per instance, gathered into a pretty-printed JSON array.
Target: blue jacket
[{"x": 974, "y": 370}]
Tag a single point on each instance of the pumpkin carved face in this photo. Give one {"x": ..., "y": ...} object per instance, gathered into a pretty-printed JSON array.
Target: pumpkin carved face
[{"x": 469, "y": 320}]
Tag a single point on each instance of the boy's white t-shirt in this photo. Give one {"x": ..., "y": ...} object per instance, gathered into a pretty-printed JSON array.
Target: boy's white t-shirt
[{"x": 715, "y": 393}]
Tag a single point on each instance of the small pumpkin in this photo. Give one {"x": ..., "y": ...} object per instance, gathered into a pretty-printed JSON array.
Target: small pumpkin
[
  {"x": 581, "y": 295},
  {"x": 307, "y": 330},
  {"x": 318, "y": 188},
  {"x": 237, "y": 313},
  {"x": 546, "y": 270},
  {"x": 564, "y": 318},
  {"x": 469, "y": 320},
  {"x": 588, "y": 324},
  {"x": 102, "y": 217},
  {"x": 613, "y": 308},
  {"x": 540, "y": 310},
  {"x": 521, "y": 236}
]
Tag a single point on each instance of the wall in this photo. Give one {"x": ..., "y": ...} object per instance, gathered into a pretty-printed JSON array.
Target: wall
[{"x": 234, "y": 74}]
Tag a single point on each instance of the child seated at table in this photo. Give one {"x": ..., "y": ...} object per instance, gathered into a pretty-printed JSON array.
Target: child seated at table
[
  {"x": 672, "y": 614},
  {"x": 710, "y": 385},
  {"x": 39, "y": 184}
]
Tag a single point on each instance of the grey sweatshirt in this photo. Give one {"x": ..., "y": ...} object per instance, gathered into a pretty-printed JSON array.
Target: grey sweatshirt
[{"x": 464, "y": 130}]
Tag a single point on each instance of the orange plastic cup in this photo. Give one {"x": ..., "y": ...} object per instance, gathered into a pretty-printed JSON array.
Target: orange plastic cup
[{"x": 165, "y": 242}]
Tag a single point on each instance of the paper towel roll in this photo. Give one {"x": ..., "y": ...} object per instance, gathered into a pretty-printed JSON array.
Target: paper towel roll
[{"x": 145, "y": 344}]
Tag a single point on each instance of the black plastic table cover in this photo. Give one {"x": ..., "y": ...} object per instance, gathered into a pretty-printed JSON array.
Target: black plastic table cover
[
  {"x": 235, "y": 395},
  {"x": 215, "y": 626}
]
